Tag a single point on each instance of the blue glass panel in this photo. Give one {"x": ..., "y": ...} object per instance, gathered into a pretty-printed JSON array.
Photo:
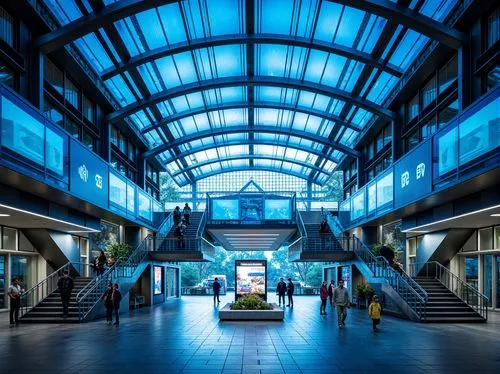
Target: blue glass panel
[
  {"x": 92, "y": 50},
  {"x": 385, "y": 190},
  {"x": 358, "y": 205},
  {"x": 438, "y": 9},
  {"x": 168, "y": 72},
  {"x": 151, "y": 27},
  {"x": 447, "y": 144},
  {"x": 228, "y": 60},
  {"x": 129, "y": 36},
  {"x": 350, "y": 23},
  {"x": 276, "y": 16},
  {"x": 370, "y": 37},
  {"x": 117, "y": 190},
  {"x": 381, "y": 88},
  {"x": 64, "y": 11},
  {"x": 329, "y": 17},
  {"x": 351, "y": 76},
  {"x": 171, "y": 20},
  {"x": 224, "y": 17},
  {"x": 150, "y": 78},
  {"x": 130, "y": 199},
  {"x": 408, "y": 48},
  {"x": 144, "y": 206},
  {"x": 120, "y": 90}
]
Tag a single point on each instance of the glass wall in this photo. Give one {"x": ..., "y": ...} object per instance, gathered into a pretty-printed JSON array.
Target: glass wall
[
  {"x": 471, "y": 271},
  {"x": 498, "y": 280},
  {"x": 488, "y": 278},
  {"x": 3, "y": 283},
  {"x": 21, "y": 268}
]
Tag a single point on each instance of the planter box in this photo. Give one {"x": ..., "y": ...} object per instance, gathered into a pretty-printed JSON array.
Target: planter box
[{"x": 276, "y": 314}]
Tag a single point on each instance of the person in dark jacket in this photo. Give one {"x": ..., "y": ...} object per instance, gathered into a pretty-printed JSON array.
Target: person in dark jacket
[
  {"x": 323, "y": 294},
  {"x": 101, "y": 262},
  {"x": 108, "y": 303},
  {"x": 177, "y": 215},
  {"x": 216, "y": 287},
  {"x": 117, "y": 297},
  {"x": 179, "y": 231},
  {"x": 281, "y": 290},
  {"x": 65, "y": 286},
  {"x": 187, "y": 213},
  {"x": 290, "y": 287},
  {"x": 331, "y": 289}
]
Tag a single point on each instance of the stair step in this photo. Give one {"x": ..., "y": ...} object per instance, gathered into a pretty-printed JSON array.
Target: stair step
[
  {"x": 49, "y": 320},
  {"x": 477, "y": 319},
  {"x": 35, "y": 314}
]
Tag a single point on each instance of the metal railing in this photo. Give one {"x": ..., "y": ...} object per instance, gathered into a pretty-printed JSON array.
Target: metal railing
[
  {"x": 406, "y": 287},
  {"x": 300, "y": 224},
  {"x": 92, "y": 293},
  {"x": 41, "y": 290},
  {"x": 164, "y": 244},
  {"x": 166, "y": 225},
  {"x": 464, "y": 291},
  {"x": 201, "y": 225}
]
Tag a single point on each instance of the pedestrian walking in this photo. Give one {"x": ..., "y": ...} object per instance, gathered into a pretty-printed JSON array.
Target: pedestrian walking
[
  {"x": 216, "y": 288},
  {"x": 323, "y": 294},
  {"x": 179, "y": 235},
  {"x": 177, "y": 215},
  {"x": 65, "y": 286},
  {"x": 14, "y": 293},
  {"x": 375, "y": 311},
  {"x": 117, "y": 297},
  {"x": 101, "y": 262},
  {"x": 187, "y": 213},
  {"x": 281, "y": 290},
  {"x": 290, "y": 288},
  {"x": 331, "y": 289},
  {"x": 108, "y": 303},
  {"x": 341, "y": 302}
]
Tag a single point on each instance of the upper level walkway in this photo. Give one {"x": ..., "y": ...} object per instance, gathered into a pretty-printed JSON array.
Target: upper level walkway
[{"x": 185, "y": 336}]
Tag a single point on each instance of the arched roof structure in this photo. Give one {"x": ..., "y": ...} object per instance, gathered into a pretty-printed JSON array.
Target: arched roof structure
[{"x": 280, "y": 85}]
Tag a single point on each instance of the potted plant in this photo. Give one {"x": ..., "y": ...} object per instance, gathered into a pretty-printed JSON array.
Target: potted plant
[{"x": 361, "y": 295}]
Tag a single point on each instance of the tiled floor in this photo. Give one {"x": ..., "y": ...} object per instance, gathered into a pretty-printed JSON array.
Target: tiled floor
[{"x": 185, "y": 336}]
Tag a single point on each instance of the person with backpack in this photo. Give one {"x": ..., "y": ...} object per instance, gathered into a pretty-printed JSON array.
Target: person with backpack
[
  {"x": 179, "y": 235},
  {"x": 374, "y": 311},
  {"x": 187, "y": 213},
  {"x": 117, "y": 297},
  {"x": 65, "y": 286},
  {"x": 216, "y": 287},
  {"x": 108, "y": 303}
]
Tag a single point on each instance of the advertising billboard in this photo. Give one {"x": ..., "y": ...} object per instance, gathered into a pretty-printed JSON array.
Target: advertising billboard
[
  {"x": 225, "y": 209},
  {"x": 89, "y": 175},
  {"x": 413, "y": 175},
  {"x": 158, "y": 284},
  {"x": 251, "y": 278},
  {"x": 278, "y": 209}
]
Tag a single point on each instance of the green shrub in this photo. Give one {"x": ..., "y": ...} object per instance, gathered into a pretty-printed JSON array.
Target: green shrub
[
  {"x": 250, "y": 302},
  {"x": 117, "y": 250}
]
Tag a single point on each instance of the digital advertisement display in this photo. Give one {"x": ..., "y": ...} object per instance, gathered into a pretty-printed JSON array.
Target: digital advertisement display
[
  {"x": 447, "y": 151},
  {"x": 117, "y": 190},
  {"x": 251, "y": 208},
  {"x": 225, "y": 209},
  {"x": 413, "y": 175},
  {"x": 480, "y": 133},
  {"x": 88, "y": 175},
  {"x": 158, "y": 274},
  {"x": 277, "y": 209},
  {"x": 251, "y": 278},
  {"x": 22, "y": 133}
]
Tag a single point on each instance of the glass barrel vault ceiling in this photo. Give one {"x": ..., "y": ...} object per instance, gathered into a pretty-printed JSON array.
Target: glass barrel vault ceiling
[{"x": 216, "y": 85}]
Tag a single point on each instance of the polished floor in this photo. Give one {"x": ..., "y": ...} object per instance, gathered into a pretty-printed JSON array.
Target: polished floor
[{"x": 185, "y": 336}]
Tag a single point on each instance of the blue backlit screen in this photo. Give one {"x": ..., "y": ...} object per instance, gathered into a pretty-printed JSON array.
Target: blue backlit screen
[
  {"x": 225, "y": 209},
  {"x": 277, "y": 209}
]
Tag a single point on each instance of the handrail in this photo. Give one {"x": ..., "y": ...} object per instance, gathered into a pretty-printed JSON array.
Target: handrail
[
  {"x": 468, "y": 294},
  {"x": 166, "y": 225},
  {"x": 41, "y": 290},
  {"x": 91, "y": 294},
  {"x": 202, "y": 223},
  {"x": 415, "y": 297},
  {"x": 302, "y": 227}
]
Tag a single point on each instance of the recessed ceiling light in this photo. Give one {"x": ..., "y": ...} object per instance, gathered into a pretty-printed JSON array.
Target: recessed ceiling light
[
  {"x": 4, "y": 215},
  {"x": 495, "y": 215}
]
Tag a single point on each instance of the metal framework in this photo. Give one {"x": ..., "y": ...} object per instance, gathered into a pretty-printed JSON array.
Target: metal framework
[
  {"x": 251, "y": 81},
  {"x": 245, "y": 104},
  {"x": 252, "y": 143},
  {"x": 92, "y": 22},
  {"x": 247, "y": 129},
  {"x": 251, "y": 157},
  {"x": 293, "y": 41}
]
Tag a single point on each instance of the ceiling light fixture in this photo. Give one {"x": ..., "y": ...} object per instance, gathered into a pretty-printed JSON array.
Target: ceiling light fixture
[
  {"x": 4, "y": 215},
  {"x": 495, "y": 215},
  {"x": 251, "y": 235}
]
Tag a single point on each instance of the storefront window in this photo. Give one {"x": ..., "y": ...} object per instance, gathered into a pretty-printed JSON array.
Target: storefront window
[
  {"x": 447, "y": 114},
  {"x": 488, "y": 278},
  {"x": 429, "y": 93},
  {"x": 9, "y": 239},
  {"x": 20, "y": 268},
  {"x": 471, "y": 271},
  {"x": 448, "y": 74},
  {"x": 412, "y": 110},
  {"x": 3, "y": 283},
  {"x": 429, "y": 128},
  {"x": 485, "y": 239}
]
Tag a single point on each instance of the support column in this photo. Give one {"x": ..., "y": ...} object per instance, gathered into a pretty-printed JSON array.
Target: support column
[
  {"x": 360, "y": 166},
  {"x": 194, "y": 195},
  {"x": 309, "y": 195},
  {"x": 36, "y": 79},
  {"x": 396, "y": 139},
  {"x": 464, "y": 77},
  {"x": 141, "y": 169}
]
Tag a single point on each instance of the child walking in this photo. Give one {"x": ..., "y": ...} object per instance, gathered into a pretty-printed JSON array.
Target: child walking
[{"x": 374, "y": 311}]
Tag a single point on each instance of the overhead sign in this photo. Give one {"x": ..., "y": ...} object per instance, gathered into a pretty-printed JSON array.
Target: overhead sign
[
  {"x": 89, "y": 177},
  {"x": 413, "y": 175}
]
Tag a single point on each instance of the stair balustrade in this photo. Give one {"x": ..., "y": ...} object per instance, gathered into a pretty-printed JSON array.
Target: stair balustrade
[{"x": 464, "y": 291}]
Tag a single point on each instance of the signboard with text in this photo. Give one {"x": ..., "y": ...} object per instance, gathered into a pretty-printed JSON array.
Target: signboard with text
[
  {"x": 251, "y": 278},
  {"x": 89, "y": 175},
  {"x": 413, "y": 175}
]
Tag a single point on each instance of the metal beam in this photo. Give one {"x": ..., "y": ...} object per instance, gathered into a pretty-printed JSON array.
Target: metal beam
[
  {"x": 409, "y": 18},
  {"x": 249, "y": 142},
  {"x": 93, "y": 21},
  {"x": 248, "y": 81},
  {"x": 263, "y": 168},
  {"x": 293, "y": 41},
  {"x": 245, "y": 129},
  {"x": 251, "y": 157},
  {"x": 245, "y": 104}
]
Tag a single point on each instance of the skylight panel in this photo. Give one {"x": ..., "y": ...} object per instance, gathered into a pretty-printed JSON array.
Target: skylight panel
[
  {"x": 350, "y": 23},
  {"x": 120, "y": 91},
  {"x": 328, "y": 21},
  {"x": 228, "y": 60},
  {"x": 333, "y": 69},
  {"x": 224, "y": 17},
  {"x": 64, "y": 11},
  {"x": 411, "y": 44},
  {"x": 276, "y": 16},
  {"x": 94, "y": 53},
  {"x": 151, "y": 28},
  {"x": 171, "y": 20}
]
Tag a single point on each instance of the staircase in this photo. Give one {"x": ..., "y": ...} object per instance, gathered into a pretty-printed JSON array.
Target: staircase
[
  {"x": 191, "y": 229},
  {"x": 444, "y": 306},
  {"x": 50, "y": 309},
  {"x": 317, "y": 241}
]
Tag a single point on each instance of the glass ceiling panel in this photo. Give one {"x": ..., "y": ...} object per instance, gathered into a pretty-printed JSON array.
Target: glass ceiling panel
[{"x": 183, "y": 21}]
